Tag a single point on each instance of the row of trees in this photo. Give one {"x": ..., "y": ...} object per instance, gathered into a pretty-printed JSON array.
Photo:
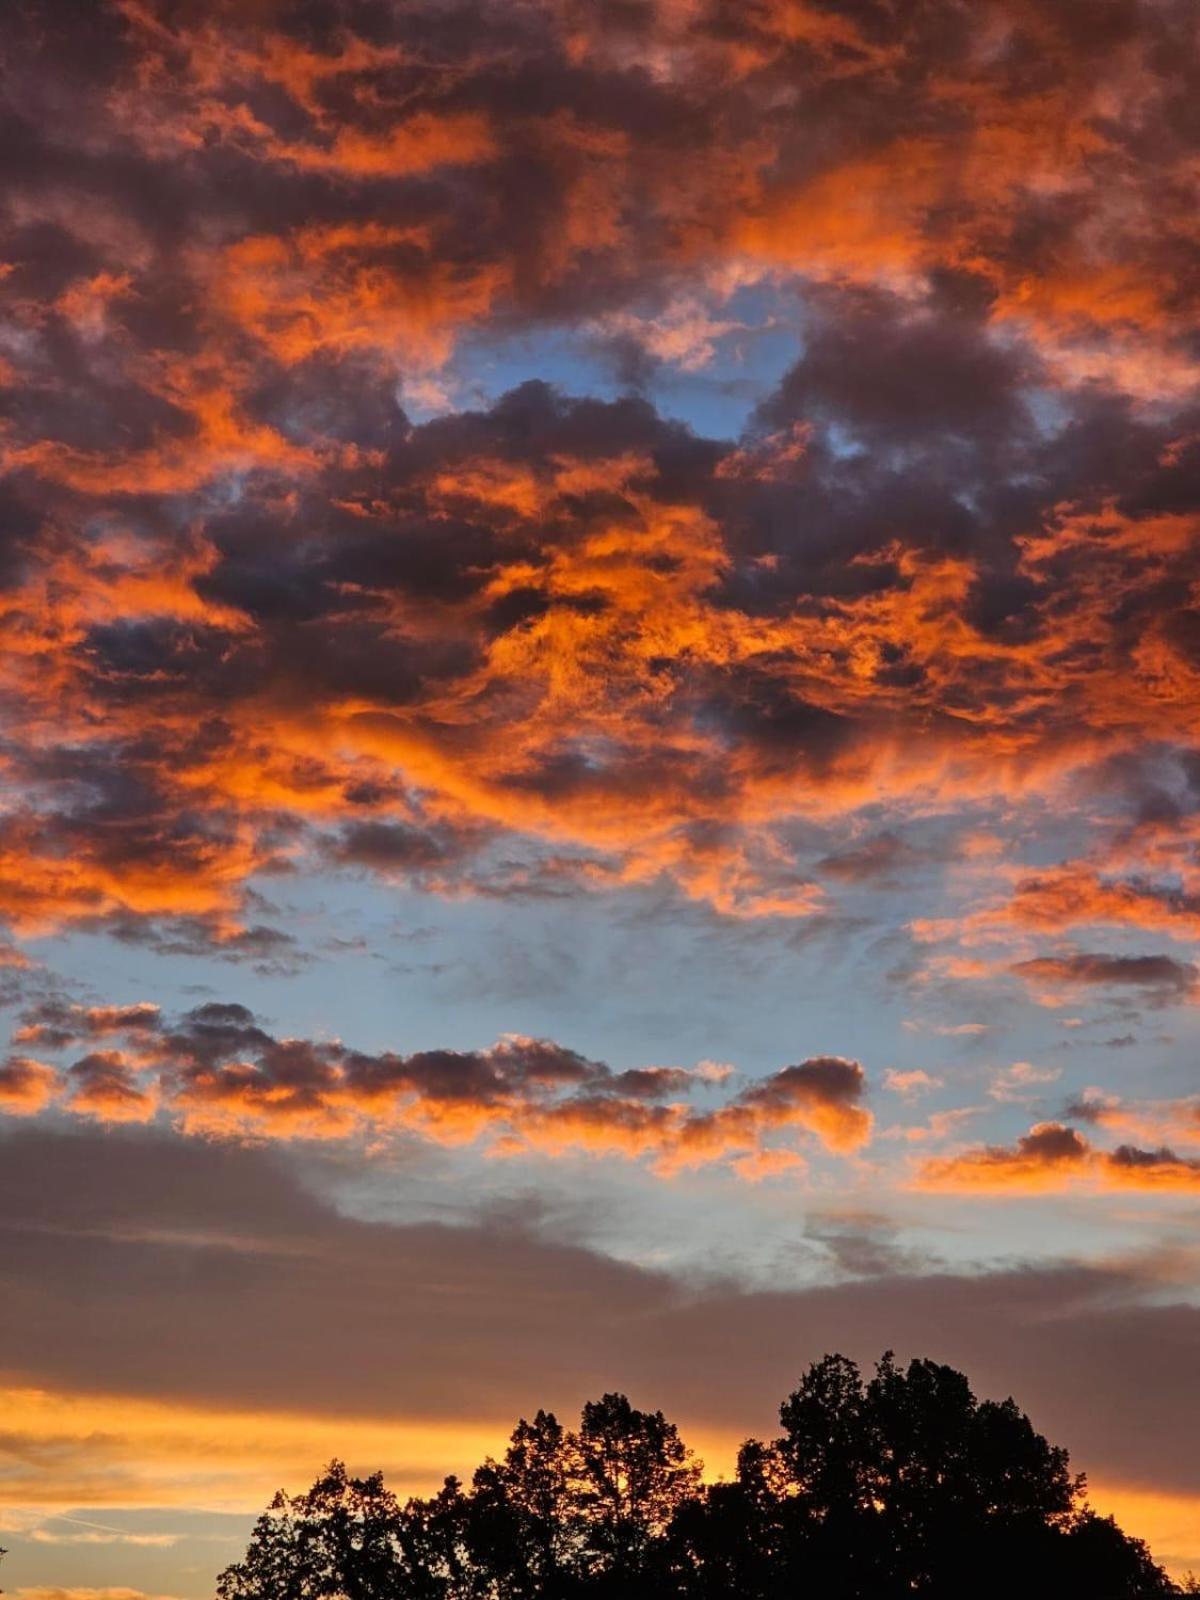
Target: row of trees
[{"x": 903, "y": 1485}]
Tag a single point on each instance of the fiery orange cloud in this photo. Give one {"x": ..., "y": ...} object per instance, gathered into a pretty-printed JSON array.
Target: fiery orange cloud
[
  {"x": 57, "y": 1023},
  {"x": 369, "y": 288},
  {"x": 628, "y": 619},
  {"x": 105, "y": 1088},
  {"x": 219, "y": 69},
  {"x": 1052, "y": 1156},
  {"x": 26, "y": 1086},
  {"x": 1075, "y": 895},
  {"x": 576, "y": 624},
  {"x": 1147, "y": 1121},
  {"x": 217, "y": 1073},
  {"x": 305, "y": 1093}
]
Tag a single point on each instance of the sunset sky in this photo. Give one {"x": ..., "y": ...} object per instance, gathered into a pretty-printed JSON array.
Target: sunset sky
[{"x": 601, "y": 737}]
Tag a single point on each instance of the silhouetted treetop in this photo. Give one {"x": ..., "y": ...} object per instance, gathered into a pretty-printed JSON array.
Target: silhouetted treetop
[{"x": 902, "y": 1485}]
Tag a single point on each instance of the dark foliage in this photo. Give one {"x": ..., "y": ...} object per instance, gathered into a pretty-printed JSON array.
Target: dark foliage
[{"x": 901, "y": 1485}]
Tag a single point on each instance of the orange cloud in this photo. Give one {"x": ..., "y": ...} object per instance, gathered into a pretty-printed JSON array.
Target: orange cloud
[
  {"x": 298, "y": 1091},
  {"x": 645, "y": 653},
  {"x": 105, "y": 1088},
  {"x": 217, "y": 1073},
  {"x": 372, "y": 288},
  {"x": 58, "y": 1023},
  {"x": 26, "y": 1086},
  {"x": 1160, "y": 978},
  {"x": 1074, "y": 895},
  {"x": 910, "y": 1084},
  {"x": 1146, "y": 1121},
  {"x": 626, "y": 634},
  {"x": 1041, "y": 1159},
  {"x": 1053, "y": 1157}
]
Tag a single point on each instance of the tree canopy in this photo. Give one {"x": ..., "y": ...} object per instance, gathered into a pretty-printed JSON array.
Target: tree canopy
[{"x": 903, "y": 1484}]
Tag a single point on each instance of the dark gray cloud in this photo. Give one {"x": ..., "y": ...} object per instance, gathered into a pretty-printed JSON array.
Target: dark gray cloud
[
  {"x": 489, "y": 1319},
  {"x": 1162, "y": 978}
]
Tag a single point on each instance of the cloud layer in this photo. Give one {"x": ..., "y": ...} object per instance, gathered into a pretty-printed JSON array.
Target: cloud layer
[
  {"x": 216, "y": 1072},
  {"x": 476, "y": 1323},
  {"x": 253, "y": 616}
]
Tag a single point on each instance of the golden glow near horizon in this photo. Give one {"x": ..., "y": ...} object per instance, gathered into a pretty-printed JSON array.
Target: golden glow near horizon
[{"x": 91, "y": 1453}]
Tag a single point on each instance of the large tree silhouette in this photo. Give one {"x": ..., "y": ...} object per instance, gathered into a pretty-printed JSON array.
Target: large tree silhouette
[{"x": 903, "y": 1485}]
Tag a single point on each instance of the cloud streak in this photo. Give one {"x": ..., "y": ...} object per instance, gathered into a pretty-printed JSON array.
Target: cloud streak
[
  {"x": 216, "y": 1072},
  {"x": 1053, "y": 1157}
]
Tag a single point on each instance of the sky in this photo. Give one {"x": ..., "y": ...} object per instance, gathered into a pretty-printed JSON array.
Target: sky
[{"x": 599, "y": 737}]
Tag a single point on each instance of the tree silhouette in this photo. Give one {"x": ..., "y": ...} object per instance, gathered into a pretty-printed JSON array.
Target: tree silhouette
[
  {"x": 908, "y": 1485},
  {"x": 522, "y": 1525},
  {"x": 903, "y": 1485},
  {"x": 339, "y": 1539},
  {"x": 633, "y": 1475}
]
